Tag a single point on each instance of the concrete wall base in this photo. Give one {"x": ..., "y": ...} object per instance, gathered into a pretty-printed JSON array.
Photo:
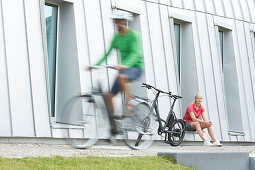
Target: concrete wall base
[{"x": 212, "y": 160}]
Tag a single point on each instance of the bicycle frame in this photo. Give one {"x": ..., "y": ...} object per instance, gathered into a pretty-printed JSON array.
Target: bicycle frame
[
  {"x": 100, "y": 92},
  {"x": 169, "y": 117}
]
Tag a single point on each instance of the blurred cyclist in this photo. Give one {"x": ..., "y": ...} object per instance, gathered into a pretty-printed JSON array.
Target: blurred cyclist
[{"x": 127, "y": 42}]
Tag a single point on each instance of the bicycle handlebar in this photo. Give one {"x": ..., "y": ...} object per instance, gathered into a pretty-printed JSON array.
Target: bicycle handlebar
[
  {"x": 102, "y": 66},
  {"x": 168, "y": 93}
]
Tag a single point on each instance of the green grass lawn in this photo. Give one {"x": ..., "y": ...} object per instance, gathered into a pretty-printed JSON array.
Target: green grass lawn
[{"x": 111, "y": 163}]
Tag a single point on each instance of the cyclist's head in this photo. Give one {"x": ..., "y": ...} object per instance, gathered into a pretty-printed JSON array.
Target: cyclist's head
[
  {"x": 121, "y": 15},
  {"x": 121, "y": 18}
]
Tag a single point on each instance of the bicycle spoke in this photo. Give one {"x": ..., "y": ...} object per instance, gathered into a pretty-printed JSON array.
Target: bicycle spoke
[
  {"x": 139, "y": 128},
  {"x": 82, "y": 133}
]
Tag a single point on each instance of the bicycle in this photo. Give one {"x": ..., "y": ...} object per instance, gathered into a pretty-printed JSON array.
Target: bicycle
[
  {"x": 136, "y": 130},
  {"x": 173, "y": 128}
]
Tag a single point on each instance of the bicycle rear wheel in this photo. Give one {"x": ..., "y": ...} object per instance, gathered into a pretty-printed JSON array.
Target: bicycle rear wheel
[
  {"x": 82, "y": 131},
  {"x": 178, "y": 126},
  {"x": 139, "y": 129}
]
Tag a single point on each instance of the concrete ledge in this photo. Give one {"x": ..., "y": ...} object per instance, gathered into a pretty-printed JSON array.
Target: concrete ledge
[
  {"x": 212, "y": 160},
  {"x": 252, "y": 162}
]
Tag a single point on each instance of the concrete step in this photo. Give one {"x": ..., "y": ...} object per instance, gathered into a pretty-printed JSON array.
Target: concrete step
[
  {"x": 213, "y": 160},
  {"x": 252, "y": 162}
]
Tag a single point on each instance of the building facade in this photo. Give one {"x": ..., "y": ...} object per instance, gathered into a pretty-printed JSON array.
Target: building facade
[{"x": 189, "y": 46}]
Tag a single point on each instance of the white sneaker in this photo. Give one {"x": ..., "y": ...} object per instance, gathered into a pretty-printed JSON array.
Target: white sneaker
[
  {"x": 217, "y": 143},
  {"x": 208, "y": 143}
]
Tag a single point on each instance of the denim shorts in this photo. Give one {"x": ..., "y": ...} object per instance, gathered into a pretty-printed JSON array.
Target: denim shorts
[
  {"x": 133, "y": 73},
  {"x": 188, "y": 127}
]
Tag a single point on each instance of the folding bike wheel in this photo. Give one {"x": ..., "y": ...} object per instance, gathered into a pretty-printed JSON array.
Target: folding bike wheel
[
  {"x": 139, "y": 129},
  {"x": 177, "y": 126},
  {"x": 82, "y": 130}
]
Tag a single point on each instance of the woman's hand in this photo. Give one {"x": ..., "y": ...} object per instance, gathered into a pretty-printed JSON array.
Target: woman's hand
[{"x": 207, "y": 123}]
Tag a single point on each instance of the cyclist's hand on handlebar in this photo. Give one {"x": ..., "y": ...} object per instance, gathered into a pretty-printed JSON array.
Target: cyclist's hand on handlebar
[
  {"x": 88, "y": 68},
  {"x": 121, "y": 67}
]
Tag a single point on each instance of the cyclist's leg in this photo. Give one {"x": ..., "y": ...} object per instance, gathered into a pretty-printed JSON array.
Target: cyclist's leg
[
  {"x": 109, "y": 97},
  {"x": 125, "y": 77},
  {"x": 124, "y": 87}
]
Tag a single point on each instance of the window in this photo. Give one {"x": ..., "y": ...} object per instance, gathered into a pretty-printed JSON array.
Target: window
[
  {"x": 230, "y": 80},
  {"x": 185, "y": 59},
  {"x": 51, "y": 33},
  {"x": 177, "y": 43}
]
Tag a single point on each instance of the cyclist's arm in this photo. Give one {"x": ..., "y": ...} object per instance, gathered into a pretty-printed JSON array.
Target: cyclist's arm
[
  {"x": 106, "y": 54},
  {"x": 104, "y": 57}
]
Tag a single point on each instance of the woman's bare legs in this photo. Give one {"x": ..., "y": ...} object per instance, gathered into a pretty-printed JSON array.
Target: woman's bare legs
[
  {"x": 199, "y": 130},
  {"x": 208, "y": 125}
]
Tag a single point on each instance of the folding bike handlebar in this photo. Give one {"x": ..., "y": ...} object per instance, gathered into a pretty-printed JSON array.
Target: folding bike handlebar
[{"x": 160, "y": 91}]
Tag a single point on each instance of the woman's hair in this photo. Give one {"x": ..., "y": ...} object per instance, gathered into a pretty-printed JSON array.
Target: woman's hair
[{"x": 198, "y": 94}]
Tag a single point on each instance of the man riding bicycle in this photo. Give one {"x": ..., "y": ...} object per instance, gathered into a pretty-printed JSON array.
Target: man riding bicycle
[{"x": 127, "y": 42}]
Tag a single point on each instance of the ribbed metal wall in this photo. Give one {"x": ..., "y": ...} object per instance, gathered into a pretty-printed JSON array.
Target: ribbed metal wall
[{"x": 23, "y": 60}]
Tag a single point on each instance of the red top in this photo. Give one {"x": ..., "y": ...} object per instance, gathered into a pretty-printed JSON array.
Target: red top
[{"x": 192, "y": 108}]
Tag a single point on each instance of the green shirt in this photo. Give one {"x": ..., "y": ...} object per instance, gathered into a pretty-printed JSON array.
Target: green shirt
[{"x": 129, "y": 47}]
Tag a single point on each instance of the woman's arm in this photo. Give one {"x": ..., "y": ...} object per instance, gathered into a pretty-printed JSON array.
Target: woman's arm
[
  {"x": 204, "y": 117},
  {"x": 193, "y": 117}
]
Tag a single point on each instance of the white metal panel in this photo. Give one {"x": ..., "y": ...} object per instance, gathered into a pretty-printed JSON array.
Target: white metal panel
[
  {"x": 249, "y": 36},
  {"x": 165, "y": 2},
  {"x": 18, "y": 72},
  {"x": 200, "y": 5},
  {"x": 189, "y": 137},
  {"x": 252, "y": 57},
  {"x": 219, "y": 84},
  {"x": 82, "y": 45},
  {"x": 249, "y": 100},
  {"x": 158, "y": 55},
  {"x": 198, "y": 54},
  {"x": 108, "y": 31},
  {"x": 228, "y": 8},
  {"x": 246, "y": 10},
  {"x": 240, "y": 79},
  {"x": 241, "y": 138},
  {"x": 177, "y": 3},
  {"x": 180, "y": 14},
  {"x": 95, "y": 34},
  {"x": 237, "y": 10},
  {"x": 147, "y": 49},
  {"x": 223, "y": 22},
  {"x": 36, "y": 58},
  {"x": 131, "y": 5},
  {"x": 154, "y": 1},
  {"x": 219, "y": 7},
  {"x": 209, "y": 95},
  {"x": 210, "y": 7},
  {"x": 169, "y": 55},
  {"x": 5, "y": 121},
  {"x": 251, "y": 6},
  {"x": 188, "y": 4}
]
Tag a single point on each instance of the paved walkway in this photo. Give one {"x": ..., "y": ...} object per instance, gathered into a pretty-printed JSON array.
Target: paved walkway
[{"x": 45, "y": 150}]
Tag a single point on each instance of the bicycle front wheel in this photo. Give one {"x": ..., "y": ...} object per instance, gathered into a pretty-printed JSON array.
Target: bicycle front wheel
[
  {"x": 139, "y": 129},
  {"x": 82, "y": 112}
]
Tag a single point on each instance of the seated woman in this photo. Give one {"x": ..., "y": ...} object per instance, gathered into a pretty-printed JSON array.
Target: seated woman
[{"x": 193, "y": 122}]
